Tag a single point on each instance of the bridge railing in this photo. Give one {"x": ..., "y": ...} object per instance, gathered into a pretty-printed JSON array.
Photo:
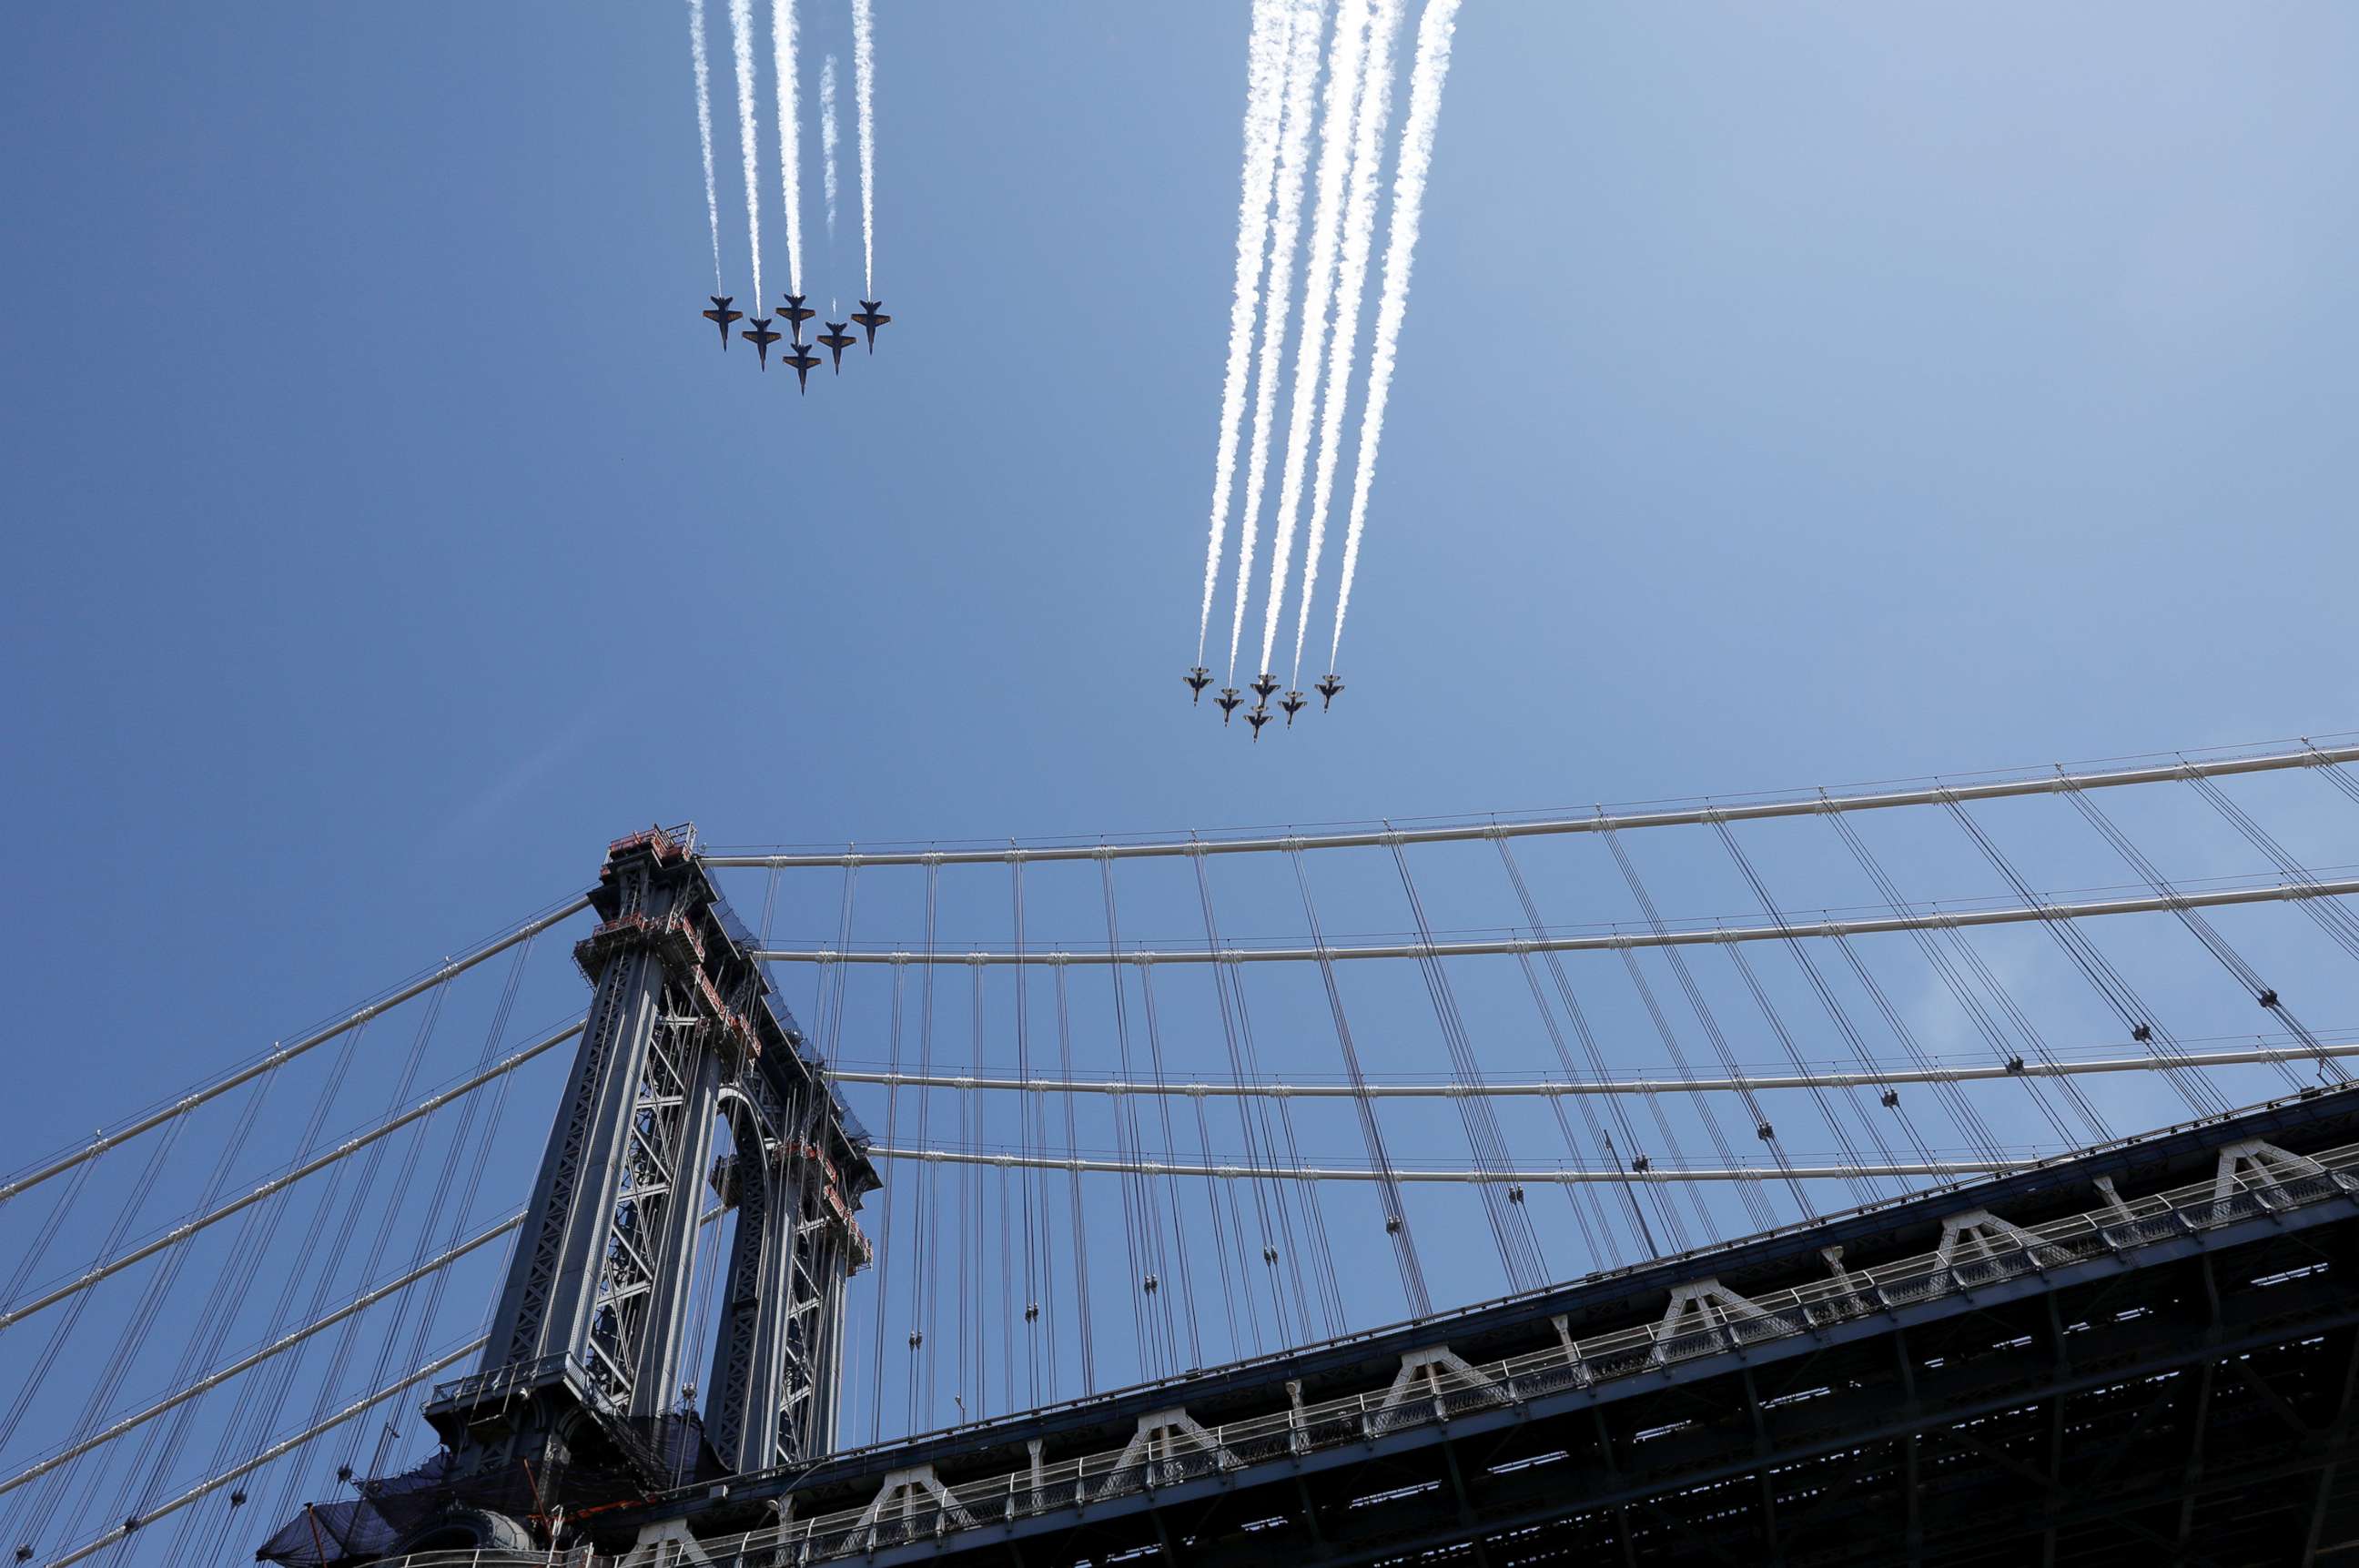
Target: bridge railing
[{"x": 1973, "y": 1256}]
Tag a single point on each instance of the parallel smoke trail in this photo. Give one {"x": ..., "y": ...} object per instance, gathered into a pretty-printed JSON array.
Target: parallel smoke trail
[
  {"x": 827, "y": 137},
  {"x": 1433, "y": 35},
  {"x": 790, "y": 154},
  {"x": 1266, "y": 57},
  {"x": 1344, "y": 88},
  {"x": 741, "y": 41},
  {"x": 704, "y": 129},
  {"x": 863, "y": 94},
  {"x": 1286, "y": 227},
  {"x": 1359, "y": 248}
]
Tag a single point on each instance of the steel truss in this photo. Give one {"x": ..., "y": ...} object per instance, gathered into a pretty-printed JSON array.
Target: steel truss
[{"x": 1964, "y": 1378}]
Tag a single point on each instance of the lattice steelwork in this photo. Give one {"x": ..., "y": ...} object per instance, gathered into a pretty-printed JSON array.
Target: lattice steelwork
[{"x": 585, "y": 1362}]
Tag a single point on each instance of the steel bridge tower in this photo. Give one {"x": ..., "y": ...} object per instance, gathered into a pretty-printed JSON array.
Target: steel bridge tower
[{"x": 586, "y": 1362}]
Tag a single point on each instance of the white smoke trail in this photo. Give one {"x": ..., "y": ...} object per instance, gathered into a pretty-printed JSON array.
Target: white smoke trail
[
  {"x": 1266, "y": 57},
  {"x": 1359, "y": 248},
  {"x": 1344, "y": 88},
  {"x": 864, "y": 96},
  {"x": 704, "y": 129},
  {"x": 740, "y": 41},
  {"x": 827, "y": 137},
  {"x": 1286, "y": 226},
  {"x": 1433, "y": 35},
  {"x": 791, "y": 153}
]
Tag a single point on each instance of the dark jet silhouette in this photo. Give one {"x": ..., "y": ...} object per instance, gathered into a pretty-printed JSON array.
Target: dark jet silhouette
[
  {"x": 761, "y": 337},
  {"x": 1327, "y": 688},
  {"x": 804, "y": 362},
  {"x": 721, "y": 316},
  {"x": 1228, "y": 701},
  {"x": 869, "y": 317},
  {"x": 1197, "y": 679},
  {"x": 1264, "y": 686},
  {"x": 1294, "y": 704},
  {"x": 1259, "y": 717},
  {"x": 835, "y": 340},
  {"x": 797, "y": 314}
]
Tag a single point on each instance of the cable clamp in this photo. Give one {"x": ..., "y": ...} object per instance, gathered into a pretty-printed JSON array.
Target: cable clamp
[
  {"x": 977, "y": 958},
  {"x": 931, "y": 857}
]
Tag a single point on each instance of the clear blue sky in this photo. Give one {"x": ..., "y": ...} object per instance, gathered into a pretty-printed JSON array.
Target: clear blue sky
[{"x": 1791, "y": 396}]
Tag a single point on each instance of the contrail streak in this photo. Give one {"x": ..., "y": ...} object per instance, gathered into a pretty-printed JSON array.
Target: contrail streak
[
  {"x": 1433, "y": 35},
  {"x": 1286, "y": 227},
  {"x": 704, "y": 129},
  {"x": 741, "y": 41},
  {"x": 1359, "y": 248},
  {"x": 1345, "y": 85},
  {"x": 790, "y": 158},
  {"x": 827, "y": 136},
  {"x": 863, "y": 94},
  {"x": 1266, "y": 57}
]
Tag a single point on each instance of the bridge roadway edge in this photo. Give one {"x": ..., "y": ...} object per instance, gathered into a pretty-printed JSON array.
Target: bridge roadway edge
[{"x": 2306, "y": 1122}]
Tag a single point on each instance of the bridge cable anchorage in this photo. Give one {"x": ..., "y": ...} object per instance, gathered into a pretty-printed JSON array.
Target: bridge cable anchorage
[
  {"x": 2047, "y": 912},
  {"x": 1540, "y": 1175},
  {"x": 2109, "y": 982},
  {"x": 278, "y": 1450},
  {"x": 350, "y": 1146},
  {"x": 1196, "y": 845},
  {"x": 280, "y": 1054},
  {"x": 1930, "y": 1073},
  {"x": 2220, "y": 948}
]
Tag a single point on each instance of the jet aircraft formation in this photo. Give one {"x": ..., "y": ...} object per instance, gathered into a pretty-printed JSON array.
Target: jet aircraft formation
[
  {"x": 794, "y": 312},
  {"x": 1230, "y": 700}
]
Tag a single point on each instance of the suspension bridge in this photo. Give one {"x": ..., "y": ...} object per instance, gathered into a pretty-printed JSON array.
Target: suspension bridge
[{"x": 1974, "y": 1180}]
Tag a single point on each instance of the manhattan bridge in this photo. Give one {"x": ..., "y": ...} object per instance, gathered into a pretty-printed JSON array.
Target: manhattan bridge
[{"x": 1960, "y": 1171}]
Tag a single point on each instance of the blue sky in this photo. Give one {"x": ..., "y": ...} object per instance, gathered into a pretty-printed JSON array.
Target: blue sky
[{"x": 1788, "y": 397}]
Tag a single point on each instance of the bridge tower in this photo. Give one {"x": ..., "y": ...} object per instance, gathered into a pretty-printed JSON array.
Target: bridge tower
[{"x": 585, "y": 1365}]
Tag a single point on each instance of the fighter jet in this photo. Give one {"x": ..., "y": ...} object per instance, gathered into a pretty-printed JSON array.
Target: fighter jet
[
  {"x": 1228, "y": 701},
  {"x": 804, "y": 362},
  {"x": 721, "y": 316},
  {"x": 871, "y": 316},
  {"x": 1327, "y": 688},
  {"x": 835, "y": 340},
  {"x": 1197, "y": 679},
  {"x": 1294, "y": 704},
  {"x": 797, "y": 314},
  {"x": 1264, "y": 686},
  {"x": 761, "y": 337},
  {"x": 1259, "y": 717}
]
